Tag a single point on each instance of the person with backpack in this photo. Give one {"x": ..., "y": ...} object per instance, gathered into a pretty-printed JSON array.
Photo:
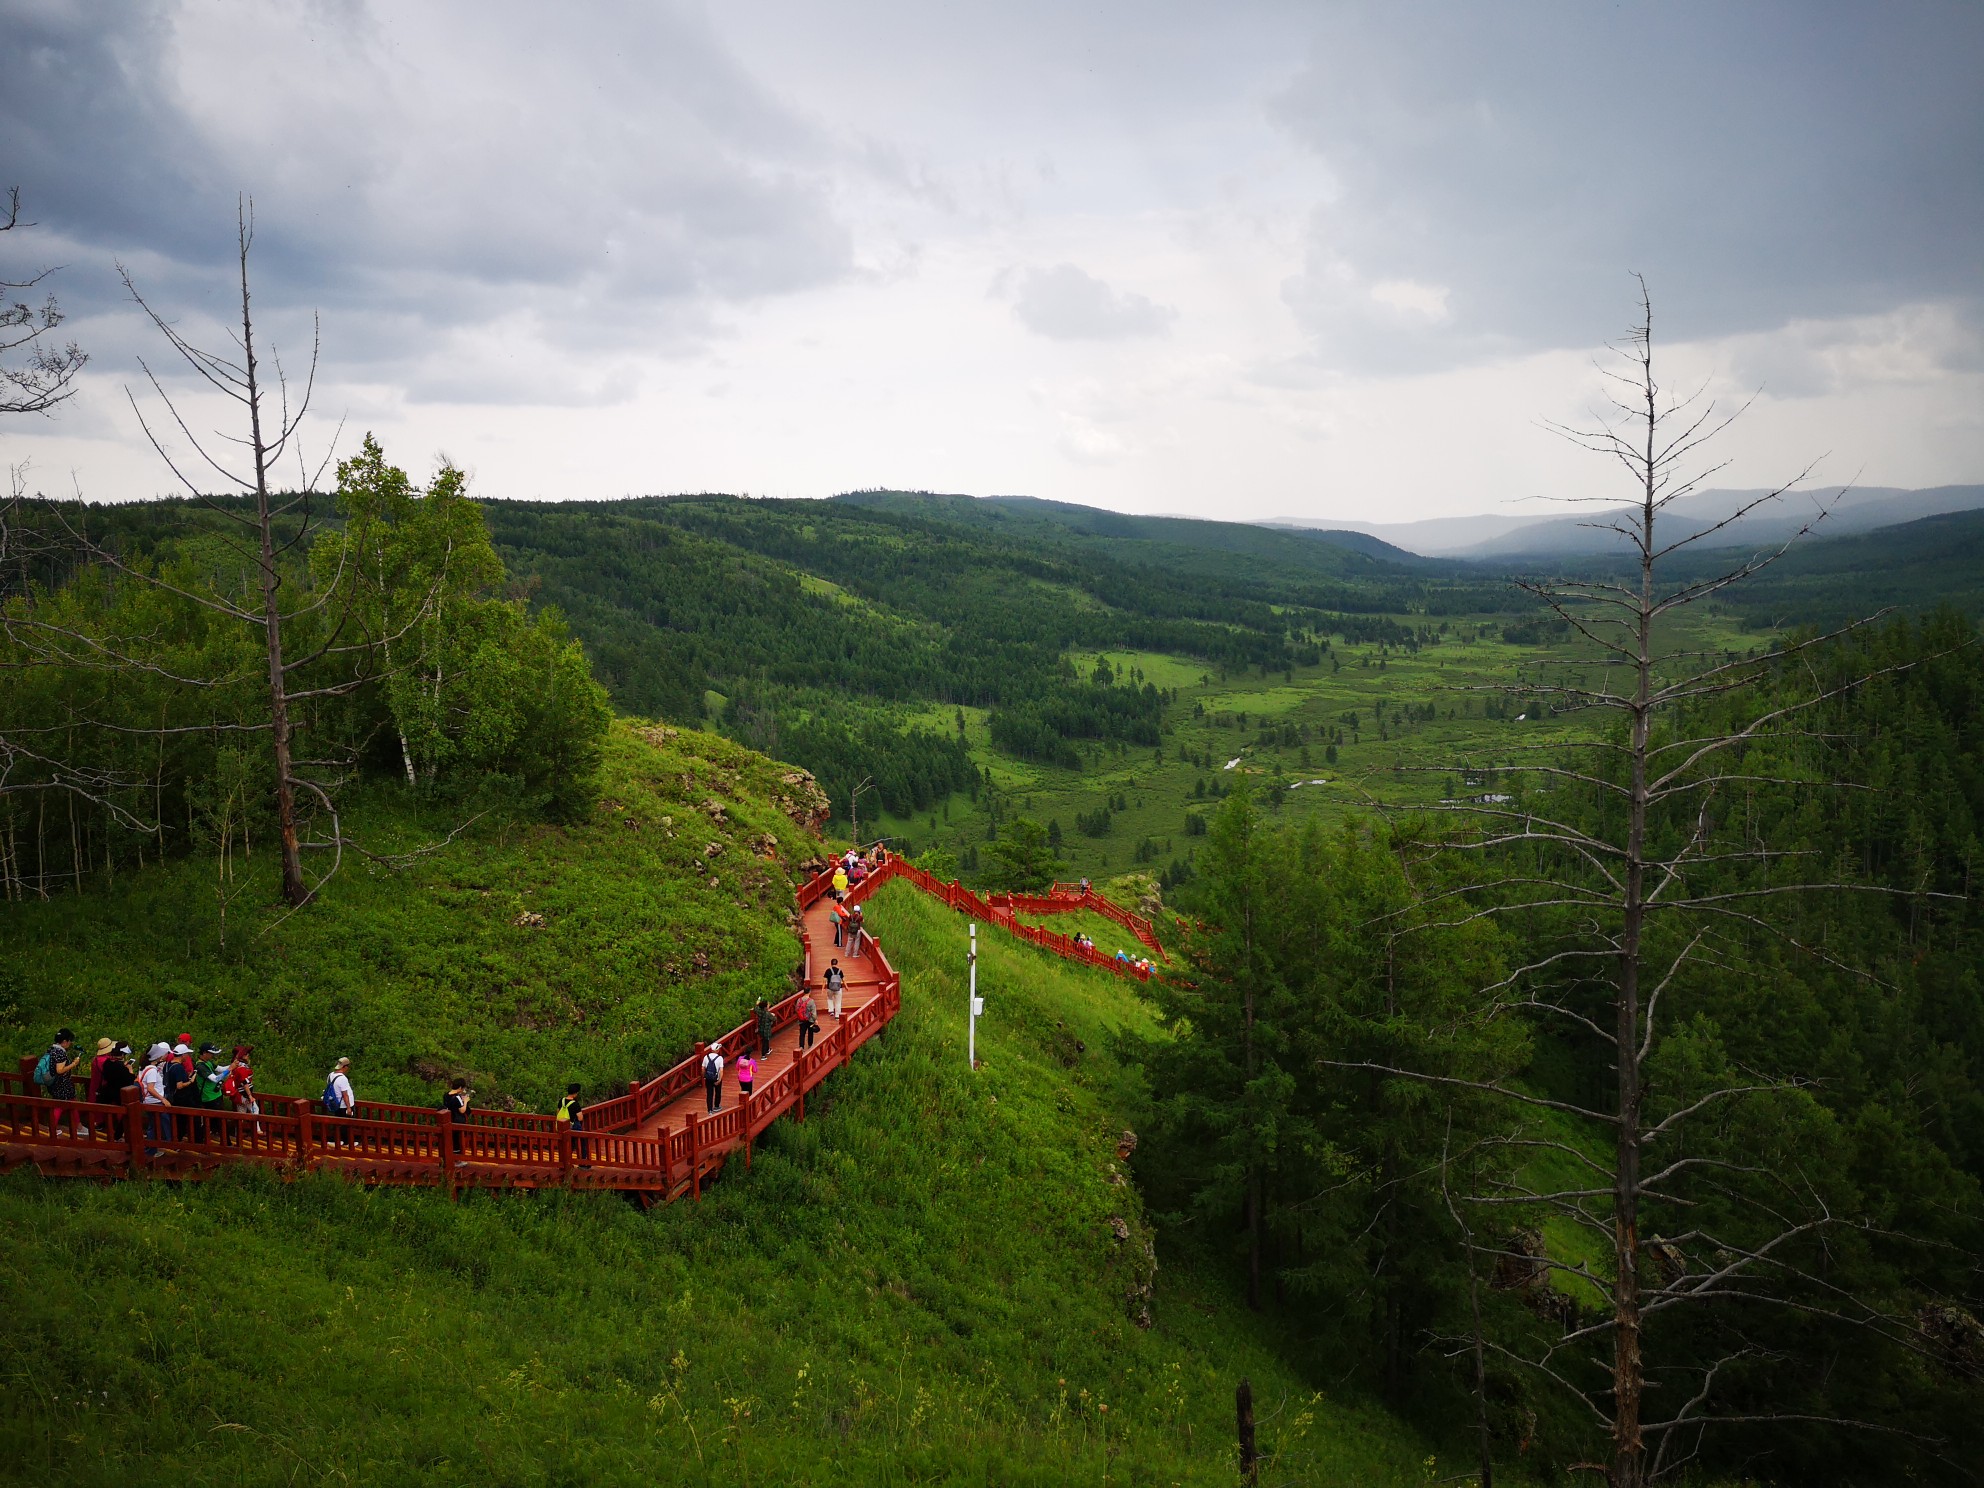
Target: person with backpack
[
  {"x": 713, "y": 1078},
  {"x": 747, "y": 1074},
  {"x": 835, "y": 980},
  {"x": 55, "y": 1072},
  {"x": 855, "y": 924},
  {"x": 766, "y": 1025},
  {"x": 837, "y": 917},
  {"x": 210, "y": 1082},
  {"x": 339, "y": 1100},
  {"x": 809, "y": 1025}
]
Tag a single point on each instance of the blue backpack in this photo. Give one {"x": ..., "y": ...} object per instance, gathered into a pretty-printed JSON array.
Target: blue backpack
[{"x": 332, "y": 1106}]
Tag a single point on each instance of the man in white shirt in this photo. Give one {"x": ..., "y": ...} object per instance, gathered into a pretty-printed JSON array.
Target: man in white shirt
[
  {"x": 339, "y": 1100},
  {"x": 713, "y": 1078},
  {"x": 835, "y": 980}
]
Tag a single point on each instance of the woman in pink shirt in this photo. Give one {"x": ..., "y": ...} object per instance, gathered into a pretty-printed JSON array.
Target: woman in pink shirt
[{"x": 747, "y": 1073}]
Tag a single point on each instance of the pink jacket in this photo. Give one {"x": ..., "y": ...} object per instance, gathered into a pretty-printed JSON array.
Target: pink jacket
[{"x": 747, "y": 1070}]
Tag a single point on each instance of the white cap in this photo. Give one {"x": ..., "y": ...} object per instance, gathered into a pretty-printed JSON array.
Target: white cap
[
  {"x": 182, "y": 1048},
  {"x": 158, "y": 1051}
]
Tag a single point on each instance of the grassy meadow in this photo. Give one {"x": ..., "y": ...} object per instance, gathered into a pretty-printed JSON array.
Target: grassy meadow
[
  {"x": 1370, "y": 702},
  {"x": 942, "y": 1276}
]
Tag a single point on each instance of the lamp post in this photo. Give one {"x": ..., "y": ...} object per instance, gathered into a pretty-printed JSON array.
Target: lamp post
[
  {"x": 854, "y": 806},
  {"x": 977, "y": 1005}
]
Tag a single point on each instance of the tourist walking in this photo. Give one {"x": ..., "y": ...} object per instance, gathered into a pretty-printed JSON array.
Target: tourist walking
[
  {"x": 113, "y": 1076},
  {"x": 339, "y": 1101},
  {"x": 55, "y": 1073},
  {"x": 809, "y": 1024},
  {"x": 835, "y": 980},
  {"x": 456, "y": 1103},
  {"x": 855, "y": 925},
  {"x": 210, "y": 1088},
  {"x": 151, "y": 1085},
  {"x": 713, "y": 1078},
  {"x": 747, "y": 1075},
  {"x": 240, "y": 1086},
  {"x": 571, "y": 1118},
  {"x": 837, "y": 917},
  {"x": 766, "y": 1024},
  {"x": 106, "y": 1050}
]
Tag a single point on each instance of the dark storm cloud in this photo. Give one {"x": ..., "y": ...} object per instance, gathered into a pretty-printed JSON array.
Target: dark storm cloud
[
  {"x": 1760, "y": 162},
  {"x": 610, "y": 174}
]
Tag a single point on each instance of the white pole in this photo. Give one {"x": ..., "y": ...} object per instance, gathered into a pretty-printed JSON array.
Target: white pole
[{"x": 971, "y": 1039}]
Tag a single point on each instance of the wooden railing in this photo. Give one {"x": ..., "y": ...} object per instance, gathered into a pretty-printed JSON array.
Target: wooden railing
[
  {"x": 383, "y": 1143},
  {"x": 1002, "y": 910}
]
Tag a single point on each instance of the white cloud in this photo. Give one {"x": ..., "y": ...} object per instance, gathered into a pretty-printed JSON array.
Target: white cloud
[{"x": 1068, "y": 304}]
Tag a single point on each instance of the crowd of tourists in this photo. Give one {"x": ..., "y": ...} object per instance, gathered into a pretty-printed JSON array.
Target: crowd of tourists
[{"x": 181, "y": 1085}]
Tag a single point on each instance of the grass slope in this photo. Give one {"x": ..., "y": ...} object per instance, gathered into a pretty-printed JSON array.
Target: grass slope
[{"x": 924, "y": 1283}]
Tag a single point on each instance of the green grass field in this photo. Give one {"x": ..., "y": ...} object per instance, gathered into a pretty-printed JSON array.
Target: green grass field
[{"x": 1392, "y": 756}]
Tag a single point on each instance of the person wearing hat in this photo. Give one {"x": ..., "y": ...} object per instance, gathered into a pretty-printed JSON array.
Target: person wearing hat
[
  {"x": 105, "y": 1048},
  {"x": 113, "y": 1074},
  {"x": 210, "y": 1080},
  {"x": 182, "y": 1086},
  {"x": 338, "y": 1097},
  {"x": 151, "y": 1084}
]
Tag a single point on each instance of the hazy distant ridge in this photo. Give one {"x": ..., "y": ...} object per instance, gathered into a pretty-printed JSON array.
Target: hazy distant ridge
[{"x": 1582, "y": 532}]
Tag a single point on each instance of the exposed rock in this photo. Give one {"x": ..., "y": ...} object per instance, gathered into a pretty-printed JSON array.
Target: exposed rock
[
  {"x": 715, "y": 849},
  {"x": 1126, "y": 1144},
  {"x": 529, "y": 919},
  {"x": 1119, "y": 1227},
  {"x": 658, "y": 735},
  {"x": 803, "y": 800}
]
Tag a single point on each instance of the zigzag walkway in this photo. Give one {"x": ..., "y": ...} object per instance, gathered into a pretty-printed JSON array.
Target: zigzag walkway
[{"x": 655, "y": 1142}]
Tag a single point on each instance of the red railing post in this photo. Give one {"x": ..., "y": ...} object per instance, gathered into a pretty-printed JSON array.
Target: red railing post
[
  {"x": 134, "y": 1127},
  {"x": 304, "y": 1135},
  {"x": 744, "y": 1108},
  {"x": 695, "y": 1160},
  {"x": 799, "y": 1074},
  {"x": 565, "y": 1153},
  {"x": 445, "y": 1127},
  {"x": 634, "y": 1092}
]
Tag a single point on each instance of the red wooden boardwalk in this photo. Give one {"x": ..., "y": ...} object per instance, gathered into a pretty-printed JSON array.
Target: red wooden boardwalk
[{"x": 656, "y": 1141}]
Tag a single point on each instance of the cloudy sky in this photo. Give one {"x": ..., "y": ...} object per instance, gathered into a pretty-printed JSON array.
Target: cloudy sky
[{"x": 1240, "y": 259}]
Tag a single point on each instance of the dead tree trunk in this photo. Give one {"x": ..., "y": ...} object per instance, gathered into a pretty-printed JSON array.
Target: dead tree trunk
[{"x": 294, "y": 891}]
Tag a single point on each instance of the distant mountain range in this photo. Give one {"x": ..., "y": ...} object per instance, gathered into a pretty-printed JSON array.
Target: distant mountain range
[{"x": 1583, "y": 531}]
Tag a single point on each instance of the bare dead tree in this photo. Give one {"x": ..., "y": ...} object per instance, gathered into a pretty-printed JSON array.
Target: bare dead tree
[
  {"x": 35, "y": 373},
  {"x": 1648, "y": 895},
  {"x": 271, "y": 435}
]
